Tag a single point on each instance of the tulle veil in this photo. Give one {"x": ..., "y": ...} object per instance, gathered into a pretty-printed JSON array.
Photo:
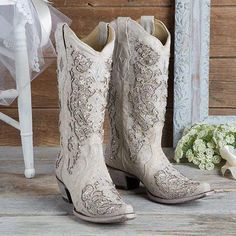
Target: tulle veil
[{"x": 40, "y": 46}]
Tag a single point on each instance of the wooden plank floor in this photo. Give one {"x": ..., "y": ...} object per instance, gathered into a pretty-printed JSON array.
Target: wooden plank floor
[{"x": 34, "y": 207}]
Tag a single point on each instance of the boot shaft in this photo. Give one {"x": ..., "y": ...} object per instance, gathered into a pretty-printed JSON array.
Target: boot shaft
[
  {"x": 84, "y": 68},
  {"x": 138, "y": 88}
]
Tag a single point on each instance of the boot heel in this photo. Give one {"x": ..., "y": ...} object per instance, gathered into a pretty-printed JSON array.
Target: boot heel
[
  {"x": 64, "y": 192},
  {"x": 123, "y": 180}
]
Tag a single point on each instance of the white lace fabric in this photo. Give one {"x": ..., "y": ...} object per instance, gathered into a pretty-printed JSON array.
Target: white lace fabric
[
  {"x": 23, "y": 6},
  {"x": 40, "y": 57}
]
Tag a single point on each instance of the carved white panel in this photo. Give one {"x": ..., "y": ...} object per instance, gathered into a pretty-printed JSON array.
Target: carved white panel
[{"x": 191, "y": 82}]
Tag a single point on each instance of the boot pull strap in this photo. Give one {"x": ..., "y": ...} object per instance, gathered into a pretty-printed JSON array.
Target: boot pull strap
[
  {"x": 147, "y": 22},
  {"x": 103, "y": 33},
  {"x": 122, "y": 24}
]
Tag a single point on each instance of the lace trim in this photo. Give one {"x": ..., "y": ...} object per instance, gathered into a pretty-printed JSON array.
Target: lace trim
[
  {"x": 23, "y": 7},
  {"x": 101, "y": 198},
  {"x": 34, "y": 60},
  {"x": 8, "y": 44}
]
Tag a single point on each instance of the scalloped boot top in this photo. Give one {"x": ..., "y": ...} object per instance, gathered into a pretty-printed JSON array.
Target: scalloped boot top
[
  {"x": 137, "y": 106},
  {"x": 84, "y": 69}
]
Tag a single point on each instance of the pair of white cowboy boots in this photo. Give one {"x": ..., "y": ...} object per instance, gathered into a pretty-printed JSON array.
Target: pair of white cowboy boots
[{"x": 135, "y": 86}]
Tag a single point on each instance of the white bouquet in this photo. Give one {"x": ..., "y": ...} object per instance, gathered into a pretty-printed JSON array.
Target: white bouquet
[{"x": 201, "y": 144}]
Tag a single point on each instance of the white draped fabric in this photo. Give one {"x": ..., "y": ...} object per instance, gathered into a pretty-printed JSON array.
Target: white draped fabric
[{"x": 40, "y": 20}]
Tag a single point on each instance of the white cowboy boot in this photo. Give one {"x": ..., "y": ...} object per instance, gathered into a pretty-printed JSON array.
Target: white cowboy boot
[
  {"x": 84, "y": 68},
  {"x": 137, "y": 106}
]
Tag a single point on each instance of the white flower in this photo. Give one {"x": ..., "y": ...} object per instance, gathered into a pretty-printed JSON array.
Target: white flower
[
  {"x": 189, "y": 152},
  {"x": 202, "y": 148},
  {"x": 209, "y": 158},
  {"x": 222, "y": 143},
  {"x": 202, "y": 166},
  {"x": 226, "y": 128},
  {"x": 178, "y": 153},
  {"x": 199, "y": 142},
  {"x": 201, "y": 156},
  {"x": 220, "y": 135},
  {"x": 192, "y": 132},
  {"x": 230, "y": 139},
  {"x": 209, "y": 166},
  {"x": 209, "y": 152},
  {"x": 210, "y": 145},
  {"x": 233, "y": 128},
  {"x": 199, "y": 145},
  {"x": 185, "y": 139},
  {"x": 216, "y": 159},
  {"x": 190, "y": 155},
  {"x": 196, "y": 161},
  {"x": 202, "y": 133}
]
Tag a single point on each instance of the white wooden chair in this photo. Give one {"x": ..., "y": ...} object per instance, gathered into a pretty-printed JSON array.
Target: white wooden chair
[{"x": 23, "y": 92}]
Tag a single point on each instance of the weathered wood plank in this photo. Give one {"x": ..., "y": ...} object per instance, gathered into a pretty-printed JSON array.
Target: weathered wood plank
[
  {"x": 46, "y": 154},
  {"x": 8, "y": 153},
  {"x": 40, "y": 196},
  {"x": 159, "y": 224},
  {"x": 46, "y": 133},
  {"x": 118, "y": 3},
  {"x": 35, "y": 207},
  {"x": 222, "y": 86},
  {"x": 54, "y": 205},
  {"x": 13, "y": 182},
  {"x": 222, "y": 32},
  {"x": 223, "y": 3},
  {"x": 45, "y": 123},
  {"x": 129, "y": 3},
  {"x": 145, "y": 225},
  {"x": 222, "y": 94},
  {"x": 222, "y": 22},
  {"x": 223, "y": 69},
  {"x": 223, "y": 112},
  {"x": 45, "y": 128},
  {"x": 86, "y": 18},
  {"x": 45, "y": 91}
]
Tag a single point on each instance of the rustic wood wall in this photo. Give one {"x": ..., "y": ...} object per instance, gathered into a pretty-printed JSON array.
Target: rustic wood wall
[{"x": 86, "y": 15}]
